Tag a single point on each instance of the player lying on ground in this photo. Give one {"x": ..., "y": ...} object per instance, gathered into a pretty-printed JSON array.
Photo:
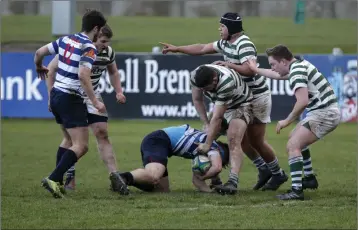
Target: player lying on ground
[
  {"x": 237, "y": 48},
  {"x": 180, "y": 141},
  {"x": 72, "y": 83},
  {"x": 97, "y": 121},
  {"x": 314, "y": 93}
]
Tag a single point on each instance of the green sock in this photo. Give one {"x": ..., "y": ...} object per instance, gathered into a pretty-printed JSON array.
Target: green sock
[
  {"x": 307, "y": 162},
  {"x": 296, "y": 165}
]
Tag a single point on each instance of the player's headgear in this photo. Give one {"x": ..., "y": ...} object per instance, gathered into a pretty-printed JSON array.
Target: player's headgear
[{"x": 233, "y": 22}]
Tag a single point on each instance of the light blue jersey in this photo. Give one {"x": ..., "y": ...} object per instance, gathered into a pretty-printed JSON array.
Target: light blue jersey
[{"x": 184, "y": 140}]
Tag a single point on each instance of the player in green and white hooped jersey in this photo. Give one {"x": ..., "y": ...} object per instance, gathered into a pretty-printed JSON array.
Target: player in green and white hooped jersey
[
  {"x": 232, "y": 101},
  {"x": 98, "y": 122},
  {"x": 237, "y": 48},
  {"x": 313, "y": 93}
]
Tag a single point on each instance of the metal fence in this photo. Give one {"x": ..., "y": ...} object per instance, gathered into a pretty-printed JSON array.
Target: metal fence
[{"x": 194, "y": 8}]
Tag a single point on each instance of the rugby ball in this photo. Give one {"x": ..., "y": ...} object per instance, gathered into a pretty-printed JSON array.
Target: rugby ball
[{"x": 200, "y": 164}]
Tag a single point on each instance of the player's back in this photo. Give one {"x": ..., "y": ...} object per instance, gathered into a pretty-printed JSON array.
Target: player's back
[
  {"x": 230, "y": 85},
  {"x": 184, "y": 140},
  {"x": 72, "y": 50}
]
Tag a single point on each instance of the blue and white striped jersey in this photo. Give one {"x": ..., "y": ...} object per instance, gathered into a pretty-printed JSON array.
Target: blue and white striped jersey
[
  {"x": 184, "y": 141},
  {"x": 73, "y": 51}
]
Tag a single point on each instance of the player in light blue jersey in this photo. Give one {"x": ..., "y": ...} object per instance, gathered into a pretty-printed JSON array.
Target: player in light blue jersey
[
  {"x": 72, "y": 83},
  {"x": 180, "y": 141}
]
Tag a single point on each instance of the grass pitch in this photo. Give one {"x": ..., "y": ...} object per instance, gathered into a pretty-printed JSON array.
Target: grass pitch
[{"x": 28, "y": 154}]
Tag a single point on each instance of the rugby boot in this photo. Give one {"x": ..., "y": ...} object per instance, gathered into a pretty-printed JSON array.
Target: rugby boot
[
  {"x": 309, "y": 182},
  {"x": 228, "y": 188},
  {"x": 293, "y": 194},
  {"x": 275, "y": 182},
  {"x": 52, "y": 186},
  {"x": 118, "y": 184},
  {"x": 262, "y": 178},
  {"x": 215, "y": 183}
]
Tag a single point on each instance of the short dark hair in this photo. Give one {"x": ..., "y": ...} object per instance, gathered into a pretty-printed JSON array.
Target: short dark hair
[
  {"x": 106, "y": 31},
  {"x": 226, "y": 155},
  {"x": 204, "y": 76},
  {"x": 280, "y": 52},
  {"x": 91, "y": 19}
]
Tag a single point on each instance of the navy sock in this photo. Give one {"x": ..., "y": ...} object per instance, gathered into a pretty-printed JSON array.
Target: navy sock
[
  {"x": 68, "y": 159},
  {"x": 144, "y": 187},
  {"x": 128, "y": 177},
  {"x": 59, "y": 155}
]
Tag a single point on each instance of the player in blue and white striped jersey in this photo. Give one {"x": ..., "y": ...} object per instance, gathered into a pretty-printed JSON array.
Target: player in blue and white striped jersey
[
  {"x": 180, "y": 141},
  {"x": 105, "y": 61},
  {"x": 76, "y": 56}
]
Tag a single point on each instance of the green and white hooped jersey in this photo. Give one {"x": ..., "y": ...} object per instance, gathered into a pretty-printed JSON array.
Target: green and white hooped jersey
[
  {"x": 103, "y": 59},
  {"x": 320, "y": 92},
  {"x": 231, "y": 90},
  {"x": 238, "y": 52}
]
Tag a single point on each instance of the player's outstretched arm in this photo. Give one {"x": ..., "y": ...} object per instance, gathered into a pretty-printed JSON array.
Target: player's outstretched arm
[
  {"x": 195, "y": 49},
  {"x": 265, "y": 72},
  {"x": 243, "y": 69}
]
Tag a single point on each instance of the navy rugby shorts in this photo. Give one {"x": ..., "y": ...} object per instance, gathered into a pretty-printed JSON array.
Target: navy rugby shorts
[{"x": 156, "y": 147}]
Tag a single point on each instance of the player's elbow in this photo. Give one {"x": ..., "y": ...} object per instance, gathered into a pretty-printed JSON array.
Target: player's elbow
[
  {"x": 42, "y": 52},
  {"x": 38, "y": 55}
]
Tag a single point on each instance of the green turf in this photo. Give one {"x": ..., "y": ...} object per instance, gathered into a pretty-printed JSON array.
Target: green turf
[
  {"x": 28, "y": 154},
  {"x": 142, "y": 33}
]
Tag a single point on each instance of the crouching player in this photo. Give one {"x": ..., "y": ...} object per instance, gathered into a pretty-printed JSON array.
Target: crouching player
[{"x": 179, "y": 141}]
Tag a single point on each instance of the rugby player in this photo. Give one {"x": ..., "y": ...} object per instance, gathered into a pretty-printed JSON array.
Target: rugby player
[
  {"x": 313, "y": 93},
  {"x": 237, "y": 48},
  {"x": 180, "y": 141},
  {"x": 105, "y": 60},
  {"x": 232, "y": 101},
  {"x": 76, "y": 57}
]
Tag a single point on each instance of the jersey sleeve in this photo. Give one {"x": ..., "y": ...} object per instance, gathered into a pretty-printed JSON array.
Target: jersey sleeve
[
  {"x": 246, "y": 51},
  {"x": 225, "y": 91},
  {"x": 111, "y": 54},
  {"x": 54, "y": 46},
  {"x": 89, "y": 54},
  {"x": 298, "y": 77},
  {"x": 218, "y": 46}
]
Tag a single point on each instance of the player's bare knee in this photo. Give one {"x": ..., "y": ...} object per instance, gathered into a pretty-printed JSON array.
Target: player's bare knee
[
  {"x": 154, "y": 179},
  {"x": 292, "y": 146},
  {"x": 66, "y": 143},
  {"x": 101, "y": 134},
  {"x": 81, "y": 148}
]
